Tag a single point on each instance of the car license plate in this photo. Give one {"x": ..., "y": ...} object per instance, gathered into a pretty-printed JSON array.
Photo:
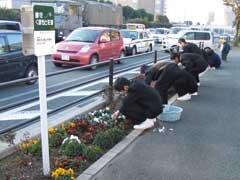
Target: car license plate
[{"x": 65, "y": 58}]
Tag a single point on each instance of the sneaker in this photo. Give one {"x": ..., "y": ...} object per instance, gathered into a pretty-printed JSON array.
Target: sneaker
[
  {"x": 198, "y": 84},
  {"x": 186, "y": 97},
  {"x": 145, "y": 125},
  {"x": 194, "y": 94}
]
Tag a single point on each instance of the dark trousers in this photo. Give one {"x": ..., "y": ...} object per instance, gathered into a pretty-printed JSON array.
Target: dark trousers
[{"x": 224, "y": 56}]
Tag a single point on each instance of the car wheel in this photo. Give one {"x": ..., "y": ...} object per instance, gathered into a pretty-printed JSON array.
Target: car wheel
[
  {"x": 93, "y": 60},
  {"x": 122, "y": 55},
  {"x": 58, "y": 65},
  {"x": 134, "y": 51},
  {"x": 31, "y": 72}
]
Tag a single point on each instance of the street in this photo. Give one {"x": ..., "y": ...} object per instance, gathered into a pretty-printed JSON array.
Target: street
[{"x": 21, "y": 92}]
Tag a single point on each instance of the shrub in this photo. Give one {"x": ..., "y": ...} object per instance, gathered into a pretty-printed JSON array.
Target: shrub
[
  {"x": 109, "y": 138},
  {"x": 94, "y": 152},
  {"x": 31, "y": 147},
  {"x": 72, "y": 147}
]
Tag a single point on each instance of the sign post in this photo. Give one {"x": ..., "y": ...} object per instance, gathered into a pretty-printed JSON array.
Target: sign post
[
  {"x": 44, "y": 41},
  {"x": 39, "y": 39}
]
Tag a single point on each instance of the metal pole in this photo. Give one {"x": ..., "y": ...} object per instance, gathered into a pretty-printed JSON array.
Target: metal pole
[
  {"x": 111, "y": 69},
  {"x": 43, "y": 114},
  {"x": 155, "y": 56}
]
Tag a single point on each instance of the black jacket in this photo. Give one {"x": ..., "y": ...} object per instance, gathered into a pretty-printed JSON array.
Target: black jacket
[
  {"x": 181, "y": 80},
  {"x": 141, "y": 95},
  {"x": 192, "y": 48},
  {"x": 193, "y": 62}
]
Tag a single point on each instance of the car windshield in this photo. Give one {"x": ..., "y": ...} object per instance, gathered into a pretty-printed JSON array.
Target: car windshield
[
  {"x": 175, "y": 30},
  {"x": 130, "y": 34},
  {"x": 83, "y": 35}
]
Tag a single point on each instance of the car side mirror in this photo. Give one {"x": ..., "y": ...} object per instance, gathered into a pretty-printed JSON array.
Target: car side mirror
[{"x": 103, "y": 41}]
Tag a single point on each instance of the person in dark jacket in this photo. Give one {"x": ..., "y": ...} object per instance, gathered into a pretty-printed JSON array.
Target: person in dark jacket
[
  {"x": 214, "y": 60},
  {"x": 225, "y": 48},
  {"x": 164, "y": 75},
  {"x": 142, "y": 104},
  {"x": 189, "y": 47},
  {"x": 192, "y": 62}
]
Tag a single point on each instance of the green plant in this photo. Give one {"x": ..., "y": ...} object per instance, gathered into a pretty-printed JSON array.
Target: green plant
[
  {"x": 94, "y": 152},
  {"x": 31, "y": 147},
  {"x": 72, "y": 148},
  {"x": 109, "y": 138},
  {"x": 55, "y": 140}
]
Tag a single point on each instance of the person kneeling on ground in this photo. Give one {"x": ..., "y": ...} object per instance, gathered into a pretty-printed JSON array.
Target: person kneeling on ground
[
  {"x": 192, "y": 62},
  {"x": 214, "y": 60},
  {"x": 164, "y": 75},
  {"x": 142, "y": 104}
]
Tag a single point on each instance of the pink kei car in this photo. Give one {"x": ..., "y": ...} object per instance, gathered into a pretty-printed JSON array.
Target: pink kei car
[{"x": 88, "y": 46}]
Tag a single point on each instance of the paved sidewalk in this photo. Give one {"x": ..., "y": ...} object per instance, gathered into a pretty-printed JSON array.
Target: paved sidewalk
[{"x": 204, "y": 145}]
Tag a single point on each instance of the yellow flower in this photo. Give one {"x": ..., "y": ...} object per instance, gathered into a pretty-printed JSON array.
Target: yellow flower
[
  {"x": 70, "y": 171},
  {"x": 52, "y": 130},
  {"x": 62, "y": 126},
  {"x": 72, "y": 124},
  {"x": 73, "y": 178}
]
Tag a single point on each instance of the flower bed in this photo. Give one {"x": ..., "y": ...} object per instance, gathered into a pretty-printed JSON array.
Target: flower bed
[{"x": 74, "y": 146}]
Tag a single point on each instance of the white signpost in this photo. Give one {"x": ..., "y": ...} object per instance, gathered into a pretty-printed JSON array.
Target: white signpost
[{"x": 39, "y": 39}]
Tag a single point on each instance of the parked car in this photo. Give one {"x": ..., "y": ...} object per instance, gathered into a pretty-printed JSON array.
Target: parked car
[
  {"x": 193, "y": 36},
  {"x": 10, "y": 25},
  {"x": 13, "y": 64},
  {"x": 137, "y": 41},
  {"x": 159, "y": 34},
  {"x": 89, "y": 45}
]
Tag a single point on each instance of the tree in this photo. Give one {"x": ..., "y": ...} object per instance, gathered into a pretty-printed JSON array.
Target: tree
[
  {"x": 235, "y": 5},
  {"x": 9, "y": 14}
]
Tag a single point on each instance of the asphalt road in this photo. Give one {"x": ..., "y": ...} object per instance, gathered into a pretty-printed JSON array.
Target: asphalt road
[
  {"x": 16, "y": 93},
  {"x": 28, "y": 111},
  {"x": 203, "y": 145}
]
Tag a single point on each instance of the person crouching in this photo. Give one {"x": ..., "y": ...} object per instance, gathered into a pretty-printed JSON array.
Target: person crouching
[
  {"x": 164, "y": 75},
  {"x": 142, "y": 104},
  {"x": 192, "y": 62},
  {"x": 214, "y": 60}
]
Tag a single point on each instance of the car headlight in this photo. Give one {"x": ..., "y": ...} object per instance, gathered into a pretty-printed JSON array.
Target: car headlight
[{"x": 84, "y": 49}]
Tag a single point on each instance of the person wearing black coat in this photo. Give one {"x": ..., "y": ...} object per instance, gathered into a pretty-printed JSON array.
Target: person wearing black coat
[
  {"x": 189, "y": 47},
  {"x": 167, "y": 74},
  {"x": 142, "y": 104},
  {"x": 193, "y": 63}
]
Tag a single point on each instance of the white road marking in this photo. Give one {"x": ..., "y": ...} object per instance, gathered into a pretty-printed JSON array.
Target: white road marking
[
  {"x": 80, "y": 93},
  {"x": 16, "y": 113}
]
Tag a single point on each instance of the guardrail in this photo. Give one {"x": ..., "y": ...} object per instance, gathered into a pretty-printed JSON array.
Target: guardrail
[{"x": 109, "y": 75}]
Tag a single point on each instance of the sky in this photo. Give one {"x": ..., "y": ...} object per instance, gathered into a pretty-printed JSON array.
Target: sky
[{"x": 195, "y": 10}]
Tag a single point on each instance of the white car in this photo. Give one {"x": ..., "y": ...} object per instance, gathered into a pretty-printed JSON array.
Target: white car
[
  {"x": 159, "y": 34},
  {"x": 137, "y": 41},
  {"x": 203, "y": 38}
]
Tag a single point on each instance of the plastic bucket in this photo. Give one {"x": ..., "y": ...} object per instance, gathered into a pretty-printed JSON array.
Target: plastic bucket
[{"x": 170, "y": 113}]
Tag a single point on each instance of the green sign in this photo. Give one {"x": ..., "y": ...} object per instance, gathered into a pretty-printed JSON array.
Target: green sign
[{"x": 43, "y": 18}]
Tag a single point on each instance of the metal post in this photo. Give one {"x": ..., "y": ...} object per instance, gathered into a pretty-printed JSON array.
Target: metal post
[
  {"x": 155, "y": 57},
  {"x": 200, "y": 45},
  {"x": 43, "y": 114},
  {"x": 111, "y": 69}
]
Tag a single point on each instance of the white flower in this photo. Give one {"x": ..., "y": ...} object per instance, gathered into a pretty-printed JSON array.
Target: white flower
[
  {"x": 105, "y": 122},
  {"x": 65, "y": 140},
  {"x": 107, "y": 108},
  {"x": 72, "y": 137},
  {"x": 124, "y": 117},
  {"x": 96, "y": 119},
  {"x": 100, "y": 110}
]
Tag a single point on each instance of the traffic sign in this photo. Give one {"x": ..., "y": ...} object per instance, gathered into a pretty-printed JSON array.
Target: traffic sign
[{"x": 44, "y": 30}]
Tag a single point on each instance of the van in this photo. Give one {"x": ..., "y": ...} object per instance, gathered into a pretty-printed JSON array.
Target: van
[
  {"x": 203, "y": 38},
  {"x": 13, "y": 64},
  {"x": 10, "y": 25},
  {"x": 132, "y": 26}
]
